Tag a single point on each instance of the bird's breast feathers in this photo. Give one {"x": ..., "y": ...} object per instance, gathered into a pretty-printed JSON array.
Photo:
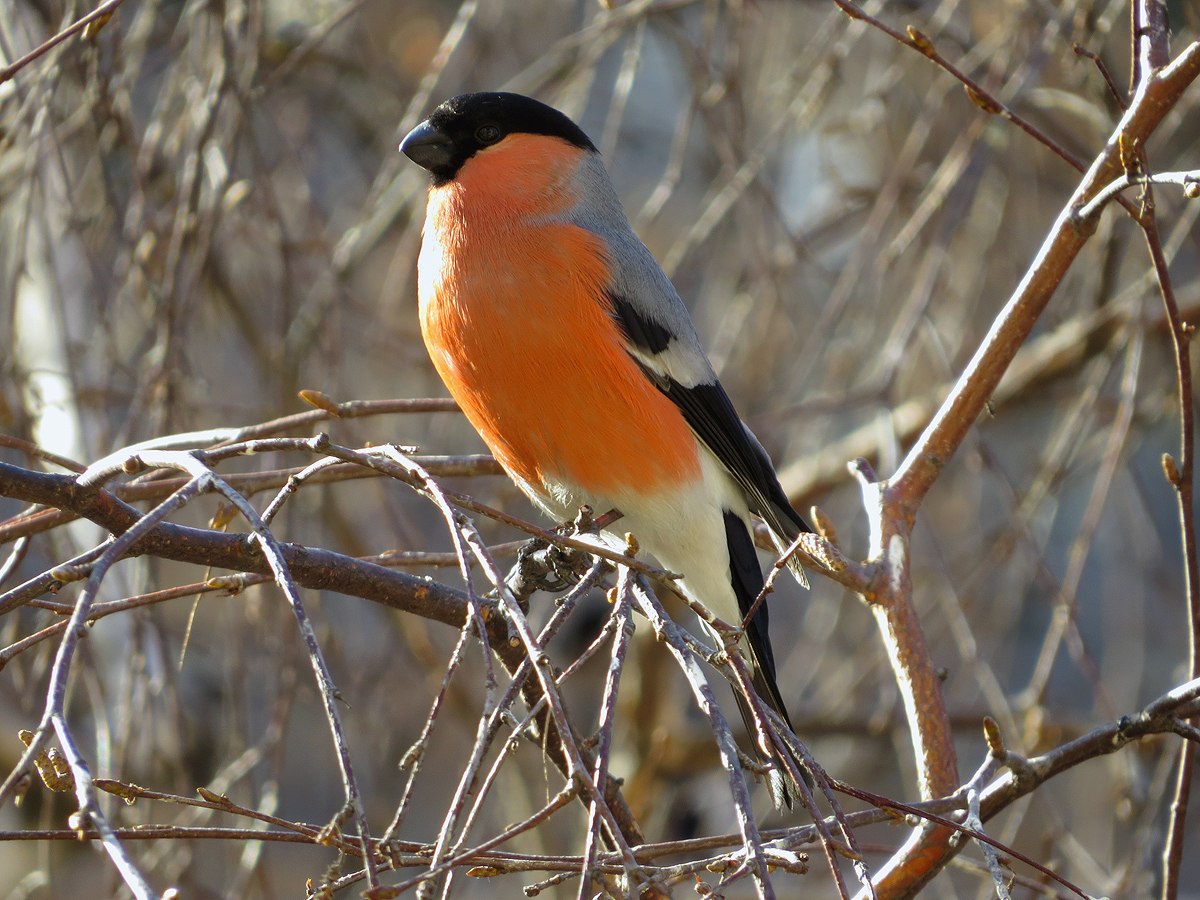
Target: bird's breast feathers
[{"x": 515, "y": 314}]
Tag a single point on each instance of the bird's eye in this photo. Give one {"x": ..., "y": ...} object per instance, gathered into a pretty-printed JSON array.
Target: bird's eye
[{"x": 487, "y": 134}]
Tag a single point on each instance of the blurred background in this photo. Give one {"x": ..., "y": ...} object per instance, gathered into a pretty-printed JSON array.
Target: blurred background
[{"x": 203, "y": 211}]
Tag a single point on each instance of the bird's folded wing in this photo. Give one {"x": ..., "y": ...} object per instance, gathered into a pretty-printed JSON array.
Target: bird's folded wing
[{"x": 660, "y": 337}]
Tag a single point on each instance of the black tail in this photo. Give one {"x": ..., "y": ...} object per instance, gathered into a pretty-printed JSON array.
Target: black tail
[{"x": 747, "y": 579}]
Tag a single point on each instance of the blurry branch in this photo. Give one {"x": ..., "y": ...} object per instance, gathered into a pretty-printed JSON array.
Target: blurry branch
[
  {"x": 1054, "y": 354},
  {"x": 89, "y": 25},
  {"x": 893, "y": 503},
  {"x": 315, "y": 37},
  {"x": 978, "y": 94},
  {"x": 1064, "y": 618}
]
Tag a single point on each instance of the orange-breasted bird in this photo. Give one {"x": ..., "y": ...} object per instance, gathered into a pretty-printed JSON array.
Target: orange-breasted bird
[{"x": 571, "y": 353}]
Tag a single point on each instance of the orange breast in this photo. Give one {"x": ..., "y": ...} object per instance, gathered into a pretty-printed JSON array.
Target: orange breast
[{"x": 514, "y": 320}]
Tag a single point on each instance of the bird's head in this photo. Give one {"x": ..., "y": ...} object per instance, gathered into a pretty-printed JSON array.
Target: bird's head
[{"x": 475, "y": 126}]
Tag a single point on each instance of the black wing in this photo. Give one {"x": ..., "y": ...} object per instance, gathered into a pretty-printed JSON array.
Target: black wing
[{"x": 710, "y": 413}]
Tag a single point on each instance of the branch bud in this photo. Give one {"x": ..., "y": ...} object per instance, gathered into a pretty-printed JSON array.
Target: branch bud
[
  {"x": 982, "y": 100},
  {"x": 1170, "y": 469},
  {"x": 320, "y": 401},
  {"x": 920, "y": 42},
  {"x": 991, "y": 736}
]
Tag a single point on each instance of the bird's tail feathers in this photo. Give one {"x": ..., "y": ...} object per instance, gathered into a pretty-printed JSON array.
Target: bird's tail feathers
[
  {"x": 785, "y": 525},
  {"x": 780, "y": 783},
  {"x": 793, "y": 563}
]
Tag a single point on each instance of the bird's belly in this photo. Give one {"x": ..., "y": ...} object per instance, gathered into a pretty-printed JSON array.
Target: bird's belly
[{"x": 524, "y": 341}]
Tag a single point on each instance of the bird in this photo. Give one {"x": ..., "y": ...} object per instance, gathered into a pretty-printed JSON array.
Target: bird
[{"x": 570, "y": 352}]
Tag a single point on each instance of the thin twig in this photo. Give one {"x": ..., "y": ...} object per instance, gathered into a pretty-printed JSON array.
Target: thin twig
[
  {"x": 103, "y": 11},
  {"x": 1181, "y": 476},
  {"x": 979, "y": 95},
  {"x": 1190, "y": 181},
  {"x": 1109, "y": 82},
  {"x": 623, "y": 617}
]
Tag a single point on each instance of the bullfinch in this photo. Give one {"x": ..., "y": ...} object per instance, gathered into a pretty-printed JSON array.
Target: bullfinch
[{"x": 570, "y": 352}]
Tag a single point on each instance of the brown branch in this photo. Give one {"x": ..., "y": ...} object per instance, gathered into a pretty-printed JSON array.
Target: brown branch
[
  {"x": 1109, "y": 82},
  {"x": 1151, "y": 38},
  {"x": 1151, "y": 35},
  {"x": 311, "y": 567},
  {"x": 1067, "y": 236},
  {"x": 248, "y": 483},
  {"x": 1026, "y": 775},
  {"x": 890, "y": 599},
  {"x": 329, "y": 410},
  {"x": 941, "y": 823},
  {"x": 898, "y": 500},
  {"x": 893, "y": 505}
]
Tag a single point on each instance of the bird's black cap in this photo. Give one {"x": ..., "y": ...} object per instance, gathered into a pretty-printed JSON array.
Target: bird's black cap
[{"x": 464, "y": 125}]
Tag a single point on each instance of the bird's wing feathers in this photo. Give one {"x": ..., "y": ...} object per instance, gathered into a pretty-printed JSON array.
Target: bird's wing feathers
[
  {"x": 660, "y": 336},
  {"x": 661, "y": 339}
]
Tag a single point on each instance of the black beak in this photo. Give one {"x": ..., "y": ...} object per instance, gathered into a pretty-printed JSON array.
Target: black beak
[{"x": 429, "y": 148}]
